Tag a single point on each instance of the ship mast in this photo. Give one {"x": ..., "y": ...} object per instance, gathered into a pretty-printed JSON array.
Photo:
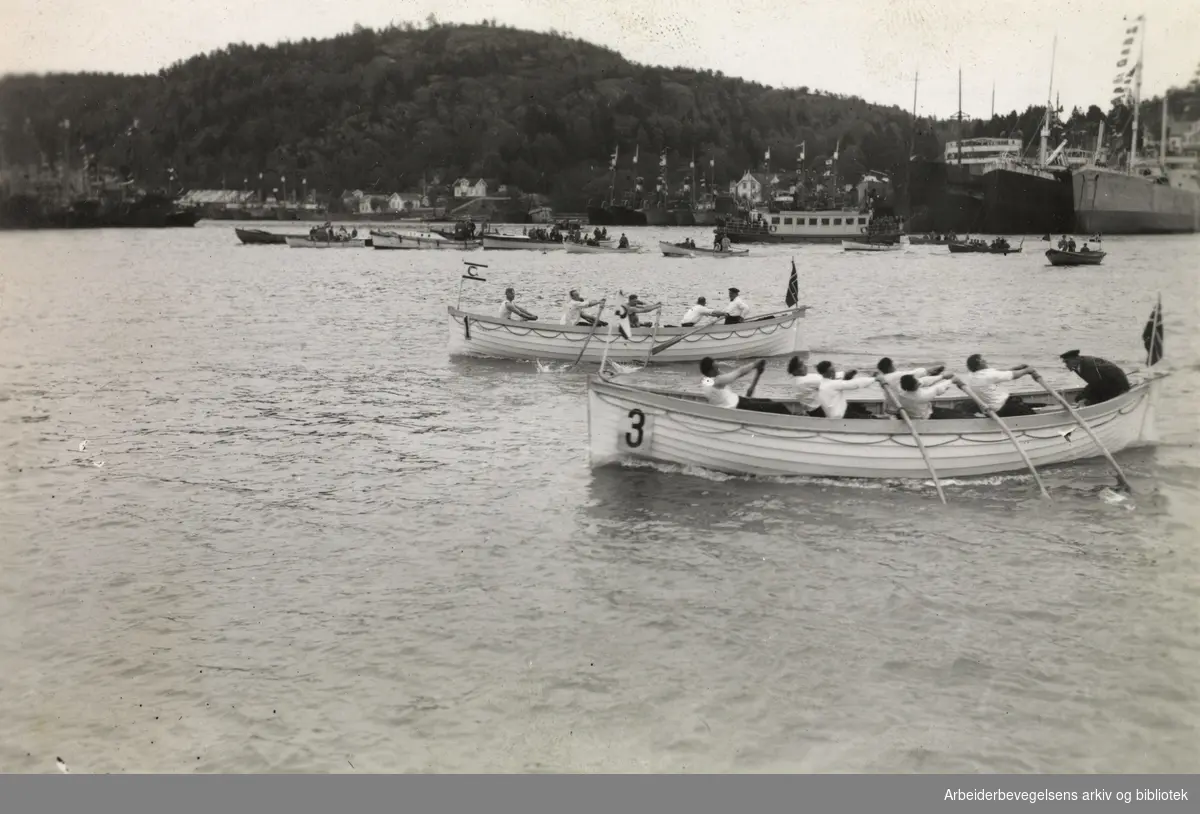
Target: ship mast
[
  {"x": 1162, "y": 146},
  {"x": 912, "y": 150},
  {"x": 1137, "y": 92},
  {"x": 960, "y": 129},
  {"x": 1046, "y": 119}
]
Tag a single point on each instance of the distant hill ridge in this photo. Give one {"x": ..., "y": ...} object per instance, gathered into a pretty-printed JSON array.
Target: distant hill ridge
[{"x": 385, "y": 110}]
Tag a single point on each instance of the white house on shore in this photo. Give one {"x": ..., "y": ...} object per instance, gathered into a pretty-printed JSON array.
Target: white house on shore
[
  {"x": 752, "y": 186},
  {"x": 404, "y": 201},
  {"x": 466, "y": 188}
]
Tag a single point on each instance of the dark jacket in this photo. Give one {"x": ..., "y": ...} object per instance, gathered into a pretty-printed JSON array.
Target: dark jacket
[{"x": 1104, "y": 379}]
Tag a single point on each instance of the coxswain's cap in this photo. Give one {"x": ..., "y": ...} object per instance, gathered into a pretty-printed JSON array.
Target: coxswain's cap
[
  {"x": 1071, "y": 354},
  {"x": 734, "y": 291}
]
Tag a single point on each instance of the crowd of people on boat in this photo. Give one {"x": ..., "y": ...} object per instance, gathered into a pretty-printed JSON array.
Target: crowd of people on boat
[
  {"x": 325, "y": 233},
  {"x": 820, "y": 393}
]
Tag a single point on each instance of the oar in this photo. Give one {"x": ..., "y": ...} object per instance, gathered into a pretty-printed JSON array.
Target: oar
[
  {"x": 1079, "y": 420},
  {"x": 660, "y": 348},
  {"x": 887, "y": 390},
  {"x": 653, "y": 335},
  {"x": 607, "y": 345},
  {"x": 992, "y": 414},
  {"x": 599, "y": 311},
  {"x": 762, "y": 365}
]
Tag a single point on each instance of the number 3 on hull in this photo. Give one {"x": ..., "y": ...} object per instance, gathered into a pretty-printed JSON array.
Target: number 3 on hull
[{"x": 635, "y": 435}]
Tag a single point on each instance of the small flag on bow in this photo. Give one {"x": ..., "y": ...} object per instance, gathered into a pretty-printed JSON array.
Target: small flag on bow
[{"x": 1152, "y": 335}]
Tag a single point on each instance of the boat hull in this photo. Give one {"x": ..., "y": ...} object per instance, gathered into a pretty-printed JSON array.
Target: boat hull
[
  {"x": 963, "y": 248},
  {"x": 305, "y": 243},
  {"x": 671, "y": 250},
  {"x": 257, "y": 237},
  {"x": 1114, "y": 203},
  {"x": 1061, "y": 258},
  {"x": 488, "y": 336},
  {"x": 631, "y": 423},
  {"x": 519, "y": 243},
  {"x": 582, "y": 248},
  {"x": 1017, "y": 203},
  {"x": 418, "y": 241},
  {"x": 856, "y": 246}
]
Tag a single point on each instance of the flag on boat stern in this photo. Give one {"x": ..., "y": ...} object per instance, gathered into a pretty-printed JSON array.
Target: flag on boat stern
[
  {"x": 793, "y": 289},
  {"x": 1152, "y": 335}
]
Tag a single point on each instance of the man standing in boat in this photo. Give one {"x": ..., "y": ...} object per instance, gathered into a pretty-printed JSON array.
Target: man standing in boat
[
  {"x": 738, "y": 309},
  {"x": 1104, "y": 379},
  {"x": 986, "y": 382},
  {"x": 510, "y": 310}
]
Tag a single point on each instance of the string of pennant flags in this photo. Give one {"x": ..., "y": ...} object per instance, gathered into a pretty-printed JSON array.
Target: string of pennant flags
[{"x": 1123, "y": 82}]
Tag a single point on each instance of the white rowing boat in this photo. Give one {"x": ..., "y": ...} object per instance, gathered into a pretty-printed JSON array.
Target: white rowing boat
[
  {"x": 583, "y": 248},
  {"x": 494, "y": 241},
  {"x": 860, "y": 246},
  {"x": 673, "y": 250},
  {"x": 479, "y": 335},
  {"x": 418, "y": 241},
  {"x": 304, "y": 242},
  {"x": 629, "y": 422}
]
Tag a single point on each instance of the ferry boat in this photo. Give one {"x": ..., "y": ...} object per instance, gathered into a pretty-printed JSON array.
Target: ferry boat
[{"x": 811, "y": 226}]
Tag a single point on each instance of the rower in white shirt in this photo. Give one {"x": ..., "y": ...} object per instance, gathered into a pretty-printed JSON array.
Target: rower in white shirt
[
  {"x": 715, "y": 386},
  {"x": 805, "y": 385},
  {"x": 510, "y": 310},
  {"x": 574, "y": 313},
  {"x": 700, "y": 309},
  {"x": 917, "y": 398},
  {"x": 986, "y": 382},
  {"x": 738, "y": 309},
  {"x": 831, "y": 393},
  {"x": 886, "y": 370}
]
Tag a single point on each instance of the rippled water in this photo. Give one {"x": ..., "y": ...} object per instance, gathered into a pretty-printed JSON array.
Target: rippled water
[{"x": 301, "y": 537}]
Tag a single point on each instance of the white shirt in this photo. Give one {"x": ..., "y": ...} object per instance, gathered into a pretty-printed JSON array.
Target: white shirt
[
  {"x": 830, "y": 397},
  {"x": 986, "y": 384},
  {"x": 504, "y": 312},
  {"x": 696, "y": 311},
  {"x": 738, "y": 308},
  {"x": 718, "y": 396},
  {"x": 573, "y": 312},
  {"x": 893, "y": 380},
  {"x": 806, "y": 388},
  {"x": 919, "y": 404}
]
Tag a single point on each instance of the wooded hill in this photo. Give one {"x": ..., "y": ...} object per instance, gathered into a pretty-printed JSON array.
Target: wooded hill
[{"x": 384, "y": 110}]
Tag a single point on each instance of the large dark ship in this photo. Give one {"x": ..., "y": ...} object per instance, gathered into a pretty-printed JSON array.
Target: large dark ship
[
  {"x": 149, "y": 210},
  {"x": 948, "y": 195}
]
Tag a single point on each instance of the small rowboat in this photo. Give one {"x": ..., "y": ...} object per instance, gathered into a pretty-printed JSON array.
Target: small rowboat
[
  {"x": 1061, "y": 258},
  {"x": 673, "y": 250},
  {"x": 629, "y": 422},
  {"x": 480, "y": 335},
  {"x": 969, "y": 248},
  {"x": 305, "y": 242},
  {"x": 519, "y": 242},
  {"x": 583, "y": 248},
  {"x": 859, "y": 246},
  {"x": 257, "y": 237}
]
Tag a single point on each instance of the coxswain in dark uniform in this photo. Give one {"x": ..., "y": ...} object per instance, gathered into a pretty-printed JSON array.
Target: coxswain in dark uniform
[{"x": 1104, "y": 379}]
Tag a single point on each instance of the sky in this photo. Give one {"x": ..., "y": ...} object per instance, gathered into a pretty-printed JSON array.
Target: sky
[{"x": 866, "y": 48}]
